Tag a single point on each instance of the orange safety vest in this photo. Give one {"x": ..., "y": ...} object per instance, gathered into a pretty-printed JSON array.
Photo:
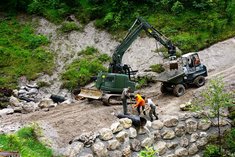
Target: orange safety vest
[{"x": 140, "y": 101}]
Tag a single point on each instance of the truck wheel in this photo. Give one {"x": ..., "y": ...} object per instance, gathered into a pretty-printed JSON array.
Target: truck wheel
[
  {"x": 199, "y": 81},
  {"x": 179, "y": 90},
  {"x": 163, "y": 89}
]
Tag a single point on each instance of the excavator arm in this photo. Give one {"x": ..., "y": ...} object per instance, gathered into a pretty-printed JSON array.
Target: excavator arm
[{"x": 139, "y": 25}]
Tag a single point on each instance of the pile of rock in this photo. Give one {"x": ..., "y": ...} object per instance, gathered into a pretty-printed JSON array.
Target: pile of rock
[
  {"x": 28, "y": 93},
  {"x": 172, "y": 137},
  {"x": 26, "y": 100}
]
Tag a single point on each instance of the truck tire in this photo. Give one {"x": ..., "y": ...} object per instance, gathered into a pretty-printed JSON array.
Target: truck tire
[
  {"x": 199, "y": 81},
  {"x": 163, "y": 89},
  {"x": 179, "y": 90}
]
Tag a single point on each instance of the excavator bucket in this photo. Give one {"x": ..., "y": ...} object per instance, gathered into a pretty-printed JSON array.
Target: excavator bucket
[{"x": 90, "y": 93}]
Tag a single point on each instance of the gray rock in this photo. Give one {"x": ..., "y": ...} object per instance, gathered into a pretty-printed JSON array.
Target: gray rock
[
  {"x": 99, "y": 149},
  {"x": 47, "y": 103},
  {"x": 181, "y": 152},
  {"x": 171, "y": 155},
  {"x": 203, "y": 134},
  {"x": 201, "y": 142},
  {"x": 6, "y": 111},
  {"x": 14, "y": 102},
  {"x": 184, "y": 142},
  {"x": 132, "y": 132},
  {"x": 204, "y": 124},
  {"x": 192, "y": 149},
  {"x": 32, "y": 85},
  {"x": 18, "y": 109},
  {"x": 171, "y": 122},
  {"x": 180, "y": 130},
  {"x": 161, "y": 147},
  {"x": 126, "y": 123},
  {"x": 194, "y": 137},
  {"x": 32, "y": 91},
  {"x": 116, "y": 127},
  {"x": 135, "y": 145},
  {"x": 105, "y": 134},
  {"x": 87, "y": 138},
  {"x": 22, "y": 91},
  {"x": 121, "y": 136},
  {"x": 74, "y": 149},
  {"x": 147, "y": 142},
  {"x": 157, "y": 124},
  {"x": 191, "y": 126},
  {"x": 30, "y": 107},
  {"x": 87, "y": 155},
  {"x": 126, "y": 152},
  {"x": 172, "y": 145},
  {"x": 113, "y": 144},
  {"x": 156, "y": 135},
  {"x": 196, "y": 155},
  {"x": 168, "y": 134},
  {"x": 115, "y": 153}
]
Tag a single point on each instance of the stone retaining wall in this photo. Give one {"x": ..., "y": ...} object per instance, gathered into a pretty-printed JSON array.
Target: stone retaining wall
[{"x": 171, "y": 136}]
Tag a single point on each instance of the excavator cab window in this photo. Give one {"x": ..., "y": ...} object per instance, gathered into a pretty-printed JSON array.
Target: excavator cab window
[{"x": 109, "y": 79}]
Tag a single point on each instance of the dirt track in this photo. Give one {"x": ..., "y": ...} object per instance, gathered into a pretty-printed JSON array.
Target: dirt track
[{"x": 68, "y": 121}]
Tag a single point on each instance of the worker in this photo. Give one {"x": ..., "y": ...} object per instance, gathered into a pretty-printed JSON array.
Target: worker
[
  {"x": 152, "y": 109},
  {"x": 139, "y": 103},
  {"x": 125, "y": 94}
]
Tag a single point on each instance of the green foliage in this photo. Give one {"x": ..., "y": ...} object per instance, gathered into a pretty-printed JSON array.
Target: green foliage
[
  {"x": 148, "y": 152},
  {"x": 230, "y": 141},
  {"x": 211, "y": 151},
  {"x": 177, "y": 7},
  {"x": 81, "y": 71},
  {"x": 69, "y": 26},
  {"x": 25, "y": 142},
  {"x": 22, "y": 53},
  {"x": 158, "y": 68}
]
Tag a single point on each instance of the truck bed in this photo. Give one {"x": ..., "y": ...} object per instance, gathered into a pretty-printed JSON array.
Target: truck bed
[{"x": 170, "y": 76}]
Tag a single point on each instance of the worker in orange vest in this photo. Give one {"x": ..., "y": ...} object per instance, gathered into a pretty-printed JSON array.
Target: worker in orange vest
[{"x": 140, "y": 102}]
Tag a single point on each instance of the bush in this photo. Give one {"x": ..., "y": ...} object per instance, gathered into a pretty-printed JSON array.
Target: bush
[
  {"x": 69, "y": 26},
  {"x": 177, "y": 7},
  {"x": 158, "y": 68},
  {"x": 148, "y": 152},
  {"x": 211, "y": 151}
]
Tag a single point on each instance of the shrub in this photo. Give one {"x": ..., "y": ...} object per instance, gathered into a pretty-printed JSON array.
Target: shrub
[
  {"x": 69, "y": 26},
  {"x": 158, "y": 68},
  {"x": 148, "y": 152},
  {"x": 211, "y": 151},
  {"x": 177, "y": 7}
]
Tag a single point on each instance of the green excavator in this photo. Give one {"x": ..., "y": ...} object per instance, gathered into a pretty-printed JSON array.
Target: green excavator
[{"x": 109, "y": 85}]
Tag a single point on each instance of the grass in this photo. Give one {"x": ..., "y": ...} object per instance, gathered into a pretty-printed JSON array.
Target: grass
[
  {"x": 69, "y": 26},
  {"x": 22, "y": 53},
  {"x": 81, "y": 71},
  {"x": 25, "y": 142}
]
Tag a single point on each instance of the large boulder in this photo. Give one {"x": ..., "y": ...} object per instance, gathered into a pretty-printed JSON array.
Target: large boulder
[
  {"x": 168, "y": 134},
  {"x": 116, "y": 127},
  {"x": 161, "y": 147},
  {"x": 191, "y": 126},
  {"x": 194, "y": 137},
  {"x": 126, "y": 122},
  {"x": 180, "y": 152},
  {"x": 157, "y": 124},
  {"x": 132, "y": 132},
  {"x": 126, "y": 151},
  {"x": 204, "y": 124},
  {"x": 147, "y": 142},
  {"x": 192, "y": 149},
  {"x": 171, "y": 121},
  {"x": 113, "y": 144},
  {"x": 47, "y": 103},
  {"x": 99, "y": 150},
  {"x": 135, "y": 145},
  {"x": 180, "y": 130},
  {"x": 184, "y": 142},
  {"x": 74, "y": 149},
  {"x": 106, "y": 134},
  {"x": 14, "y": 102},
  {"x": 30, "y": 107},
  {"x": 121, "y": 136}
]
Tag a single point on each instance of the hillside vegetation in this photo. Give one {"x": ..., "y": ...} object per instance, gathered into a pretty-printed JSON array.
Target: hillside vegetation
[{"x": 191, "y": 25}]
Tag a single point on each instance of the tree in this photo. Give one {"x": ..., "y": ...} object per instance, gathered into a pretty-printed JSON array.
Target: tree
[{"x": 215, "y": 99}]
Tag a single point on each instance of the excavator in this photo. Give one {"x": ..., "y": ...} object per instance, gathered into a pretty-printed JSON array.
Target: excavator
[{"x": 109, "y": 85}]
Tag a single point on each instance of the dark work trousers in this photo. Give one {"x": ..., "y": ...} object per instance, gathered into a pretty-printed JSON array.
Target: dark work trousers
[
  {"x": 152, "y": 112},
  {"x": 138, "y": 109},
  {"x": 124, "y": 104}
]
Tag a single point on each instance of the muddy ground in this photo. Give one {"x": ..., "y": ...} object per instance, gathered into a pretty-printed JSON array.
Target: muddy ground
[{"x": 64, "y": 122}]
